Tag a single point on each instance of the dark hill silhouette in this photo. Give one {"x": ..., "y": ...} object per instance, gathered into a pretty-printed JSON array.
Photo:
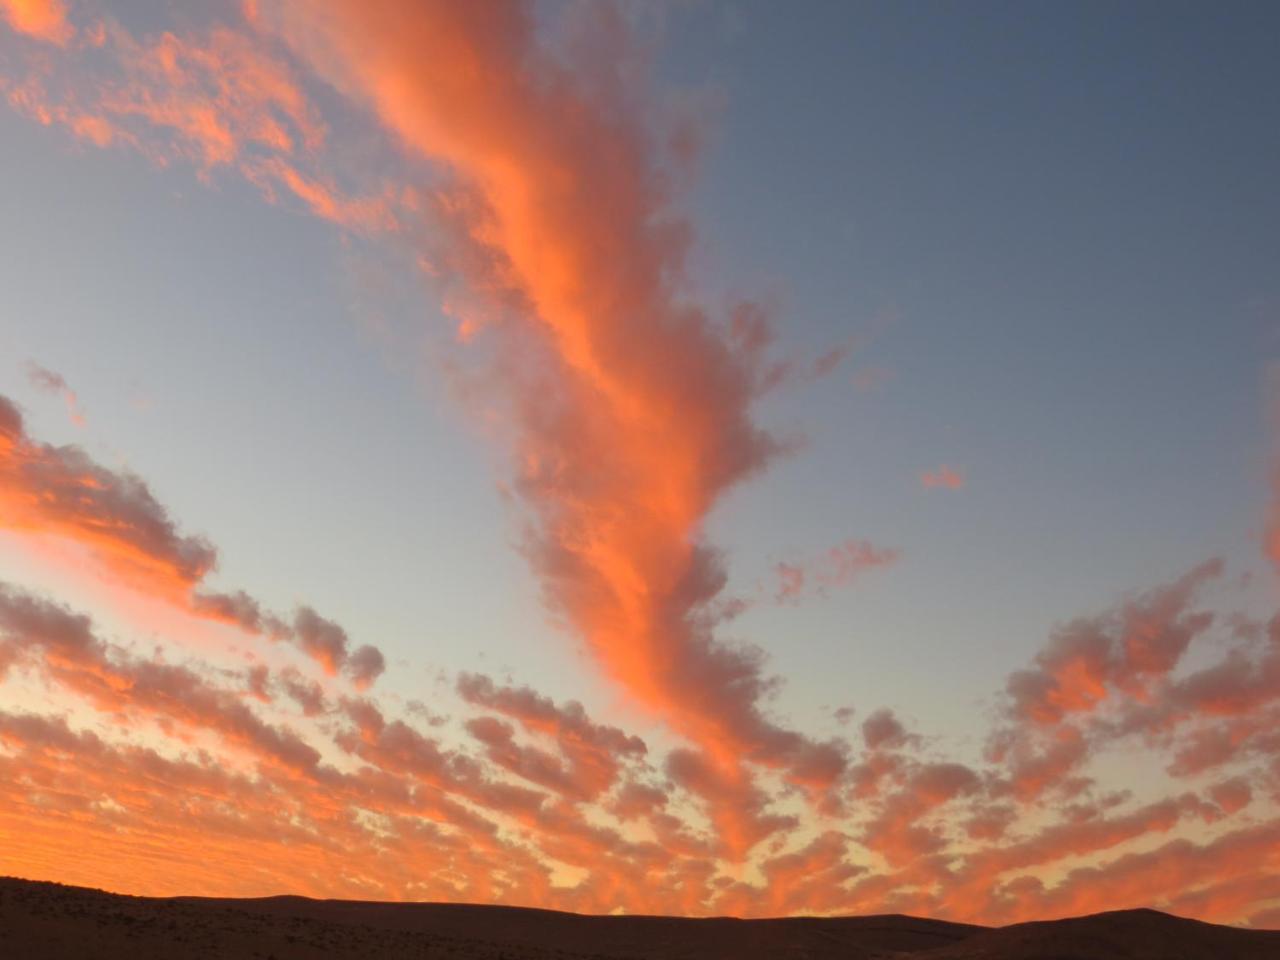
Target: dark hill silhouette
[{"x": 47, "y": 921}]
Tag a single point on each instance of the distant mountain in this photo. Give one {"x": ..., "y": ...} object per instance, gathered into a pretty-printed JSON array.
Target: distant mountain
[{"x": 48, "y": 921}]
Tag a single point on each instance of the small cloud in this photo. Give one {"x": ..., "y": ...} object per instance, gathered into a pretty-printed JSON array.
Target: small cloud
[
  {"x": 836, "y": 567},
  {"x": 945, "y": 477},
  {"x": 53, "y": 382}
]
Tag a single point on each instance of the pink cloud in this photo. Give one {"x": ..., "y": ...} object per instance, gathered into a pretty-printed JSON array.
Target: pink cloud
[
  {"x": 52, "y": 382},
  {"x": 837, "y": 567},
  {"x": 944, "y": 477}
]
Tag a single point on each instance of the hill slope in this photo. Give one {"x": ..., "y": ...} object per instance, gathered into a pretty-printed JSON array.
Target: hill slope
[{"x": 44, "y": 921}]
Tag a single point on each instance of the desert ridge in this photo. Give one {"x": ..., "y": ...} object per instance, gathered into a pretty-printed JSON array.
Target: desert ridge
[{"x": 48, "y": 921}]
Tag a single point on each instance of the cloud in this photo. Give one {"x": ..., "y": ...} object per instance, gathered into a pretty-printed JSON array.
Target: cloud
[
  {"x": 1127, "y": 649},
  {"x": 882, "y": 729},
  {"x": 328, "y": 644},
  {"x": 837, "y": 567},
  {"x": 629, "y": 408},
  {"x": 52, "y": 382},
  {"x": 364, "y": 665},
  {"x": 945, "y": 840},
  {"x": 72, "y": 654},
  {"x": 944, "y": 477},
  {"x": 899, "y": 831},
  {"x": 627, "y": 412},
  {"x": 60, "y": 490},
  {"x": 735, "y": 804},
  {"x": 219, "y": 99},
  {"x": 1231, "y": 795},
  {"x": 237, "y": 609},
  {"x": 595, "y": 752},
  {"x": 43, "y": 19}
]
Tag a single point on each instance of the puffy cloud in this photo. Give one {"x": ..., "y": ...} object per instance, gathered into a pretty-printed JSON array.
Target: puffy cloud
[
  {"x": 735, "y": 804},
  {"x": 114, "y": 681},
  {"x": 636, "y": 800},
  {"x": 321, "y": 639},
  {"x": 365, "y": 665},
  {"x": 899, "y": 831},
  {"x": 307, "y": 694},
  {"x": 1126, "y": 649},
  {"x": 595, "y": 752},
  {"x": 60, "y": 490},
  {"x": 327, "y": 643},
  {"x": 239, "y": 610},
  {"x": 1232, "y": 795},
  {"x": 882, "y": 729},
  {"x": 491, "y": 837},
  {"x": 1169, "y": 875}
]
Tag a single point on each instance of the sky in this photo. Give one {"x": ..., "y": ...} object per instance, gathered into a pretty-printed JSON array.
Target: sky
[{"x": 698, "y": 457}]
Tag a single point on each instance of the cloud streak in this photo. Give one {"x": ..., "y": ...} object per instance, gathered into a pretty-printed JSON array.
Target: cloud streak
[
  {"x": 61, "y": 492},
  {"x": 631, "y": 409}
]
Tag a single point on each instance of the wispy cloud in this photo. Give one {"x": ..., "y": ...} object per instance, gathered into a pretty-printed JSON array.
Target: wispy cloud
[
  {"x": 52, "y": 382},
  {"x": 836, "y": 567}
]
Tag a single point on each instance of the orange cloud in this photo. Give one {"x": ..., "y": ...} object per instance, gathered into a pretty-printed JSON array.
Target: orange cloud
[
  {"x": 595, "y": 752},
  {"x": 220, "y": 100},
  {"x": 219, "y": 97},
  {"x": 469, "y": 832},
  {"x": 630, "y": 406},
  {"x": 61, "y": 492},
  {"x": 944, "y": 477},
  {"x": 1128, "y": 649},
  {"x": 629, "y": 415},
  {"x": 899, "y": 832},
  {"x": 43, "y": 19}
]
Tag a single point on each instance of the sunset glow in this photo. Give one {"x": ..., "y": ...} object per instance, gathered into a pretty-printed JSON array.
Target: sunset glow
[{"x": 704, "y": 459}]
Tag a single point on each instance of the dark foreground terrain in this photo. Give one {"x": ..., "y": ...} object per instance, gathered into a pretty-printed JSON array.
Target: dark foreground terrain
[{"x": 46, "y": 921}]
